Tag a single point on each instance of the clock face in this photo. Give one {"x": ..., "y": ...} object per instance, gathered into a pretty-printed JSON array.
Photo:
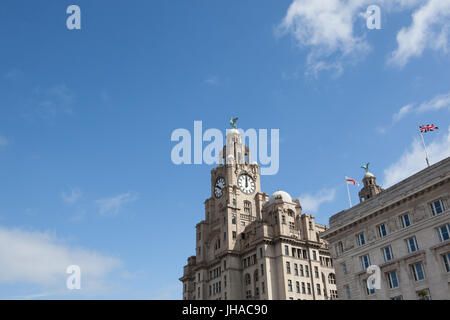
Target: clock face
[
  {"x": 246, "y": 184},
  {"x": 219, "y": 186}
]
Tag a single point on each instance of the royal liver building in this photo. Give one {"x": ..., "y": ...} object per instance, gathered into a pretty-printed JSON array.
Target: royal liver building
[{"x": 252, "y": 247}]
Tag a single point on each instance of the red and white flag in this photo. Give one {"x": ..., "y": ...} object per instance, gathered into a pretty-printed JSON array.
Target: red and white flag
[{"x": 351, "y": 181}]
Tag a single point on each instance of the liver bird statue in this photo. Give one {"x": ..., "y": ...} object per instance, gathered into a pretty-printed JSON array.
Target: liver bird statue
[{"x": 233, "y": 122}]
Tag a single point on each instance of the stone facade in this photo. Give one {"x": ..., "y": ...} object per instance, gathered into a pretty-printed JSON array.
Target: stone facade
[
  {"x": 404, "y": 230},
  {"x": 252, "y": 247}
]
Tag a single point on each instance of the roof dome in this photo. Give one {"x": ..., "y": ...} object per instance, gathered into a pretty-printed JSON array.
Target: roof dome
[
  {"x": 368, "y": 175},
  {"x": 280, "y": 195}
]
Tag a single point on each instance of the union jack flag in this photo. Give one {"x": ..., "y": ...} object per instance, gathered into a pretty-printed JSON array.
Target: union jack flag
[{"x": 427, "y": 127}]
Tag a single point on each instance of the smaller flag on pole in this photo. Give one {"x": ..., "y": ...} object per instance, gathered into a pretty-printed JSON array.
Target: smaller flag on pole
[
  {"x": 351, "y": 181},
  {"x": 427, "y": 128}
]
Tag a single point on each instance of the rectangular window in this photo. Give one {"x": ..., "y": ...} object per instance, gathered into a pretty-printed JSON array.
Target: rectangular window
[
  {"x": 382, "y": 231},
  {"x": 225, "y": 236},
  {"x": 297, "y": 286},
  {"x": 301, "y": 270},
  {"x": 418, "y": 271},
  {"x": 387, "y": 253},
  {"x": 286, "y": 250},
  {"x": 263, "y": 287},
  {"x": 262, "y": 269},
  {"x": 288, "y": 268},
  {"x": 295, "y": 269},
  {"x": 446, "y": 258},
  {"x": 318, "y": 290},
  {"x": 290, "y": 285},
  {"x": 411, "y": 243},
  {"x": 405, "y": 220},
  {"x": 314, "y": 255},
  {"x": 340, "y": 247},
  {"x": 261, "y": 252},
  {"x": 316, "y": 272},
  {"x": 234, "y": 234},
  {"x": 392, "y": 279},
  {"x": 397, "y": 298},
  {"x": 344, "y": 268},
  {"x": 293, "y": 251},
  {"x": 303, "y": 288},
  {"x": 444, "y": 232},
  {"x": 199, "y": 236},
  {"x": 347, "y": 291},
  {"x": 308, "y": 285},
  {"x": 437, "y": 207},
  {"x": 307, "y": 271},
  {"x": 365, "y": 261},
  {"x": 369, "y": 291},
  {"x": 361, "y": 239}
]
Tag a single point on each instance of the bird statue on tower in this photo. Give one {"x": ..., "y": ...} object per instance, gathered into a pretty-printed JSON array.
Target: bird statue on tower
[
  {"x": 233, "y": 122},
  {"x": 366, "y": 167}
]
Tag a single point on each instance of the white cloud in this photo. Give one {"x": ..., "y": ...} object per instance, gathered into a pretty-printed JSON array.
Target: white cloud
[
  {"x": 429, "y": 30},
  {"x": 439, "y": 102},
  {"x": 214, "y": 80},
  {"x": 3, "y": 141},
  {"x": 311, "y": 202},
  {"x": 74, "y": 196},
  {"x": 402, "y": 112},
  {"x": 37, "y": 258},
  {"x": 114, "y": 204},
  {"x": 413, "y": 159}
]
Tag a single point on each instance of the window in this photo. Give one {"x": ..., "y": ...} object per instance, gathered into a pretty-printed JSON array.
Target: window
[
  {"x": 331, "y": 278},
  {"x": 365, "y": 261},
  {"x": 262, "y": 269},
  {"x": 303, "y": 288},
  {"x": 318, "y": 289},
  {"x": 333, "y": 294},
  {"x": 340, "y": 247},
  {"x": 234, "y": 234},
  {"x": 290, "y": 285},
  {"x": 418, "y": 272},
  {"x": 368, "y": 291},
  {"x": 295, "y": 269},
  {"x": 242, "y": 223},
  {"x": 344, "y": 268},
  {"x": 247, "y": 209},
  {"x": 225, "y": 236},
  {"x": 314, "y": 255},
  {"x": 199, "y": 236},
  {"x": 316, "y": 272},
  {"x": 392, "y": 279},
  {"x": 405, "y": 220},
  {"x": 248, "y": 280},
  {"x": 387, "y": 253},
  {"x": 297, "y": 286},
  {"x": 382, "y": 231},
  {"x": 305, "y": 254},
  {"x": 411, "y": 243},
  {"x": 424, "y": 294},
  {"x": 444, "y": 232},
  {"x": 397, "y": 298},
  {"x": 361, "y": 239},
  {"x": 347, "y": 291},
  {"x": 288, "y": 268},
  {"x": 234, "y": 202},
  {"x": 301, "y": 270},
  {"x": 293, "y": 251},
  {"x": 198, "y": 292},
  {"x": 248, "y": 294},
  {"x": 437, "y": 207},
  {"x": 307, "y": 271},
  {"x": 446, "y": 258},
  {"x": 291, "y": 225},
  {"x": 261, "y": 252},
  {"x": 224, "y": 281},
  {"x": 308, "y": 285},
  {"x": 283, "y": 219},
  {"x": 263, "y": 287},
  {"x": 233, "y": 219}
]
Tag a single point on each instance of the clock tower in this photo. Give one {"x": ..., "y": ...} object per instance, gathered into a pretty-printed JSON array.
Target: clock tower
[{"x": 247, "y": 243}]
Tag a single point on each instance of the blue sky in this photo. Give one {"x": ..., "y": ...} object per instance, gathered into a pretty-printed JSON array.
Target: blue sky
[{"x": 86, "y": 118}]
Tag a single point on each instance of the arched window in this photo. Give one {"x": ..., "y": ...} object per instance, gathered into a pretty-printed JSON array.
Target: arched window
[{"x": 331, "y": 278}]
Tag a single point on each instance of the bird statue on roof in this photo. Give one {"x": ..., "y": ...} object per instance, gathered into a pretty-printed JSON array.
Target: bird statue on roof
[
  {"x": 366, "y": 167},
  {"x": 233, "y": 122}
]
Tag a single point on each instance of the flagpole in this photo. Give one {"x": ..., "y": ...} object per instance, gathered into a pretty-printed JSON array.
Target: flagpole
[
  {"x": 348, "y": 193},
  {"x": 425, "y": 148}
]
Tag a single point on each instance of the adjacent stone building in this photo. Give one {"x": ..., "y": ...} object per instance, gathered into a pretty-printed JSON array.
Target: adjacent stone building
[
  {"x": 252, "y": 247},
  {"x": 404, "y": 230}
]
